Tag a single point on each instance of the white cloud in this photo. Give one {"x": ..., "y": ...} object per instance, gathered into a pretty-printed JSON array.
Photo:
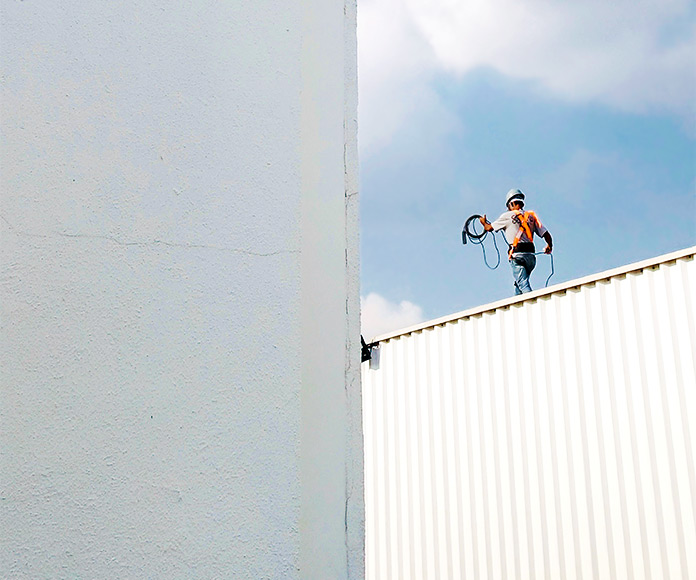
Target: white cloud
[
  {"x": 395, "y": 65},
  {"x": 617, "y": 52},
  {"x": 379, "y": 315},
  {"x": 635, "y": 55}
]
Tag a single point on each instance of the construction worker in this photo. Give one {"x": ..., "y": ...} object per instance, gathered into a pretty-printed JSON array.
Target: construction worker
[{"x": 520, "y": 227}]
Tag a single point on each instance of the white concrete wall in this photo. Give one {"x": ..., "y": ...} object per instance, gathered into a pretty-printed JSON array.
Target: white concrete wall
[{"x": 180, "y": 390}]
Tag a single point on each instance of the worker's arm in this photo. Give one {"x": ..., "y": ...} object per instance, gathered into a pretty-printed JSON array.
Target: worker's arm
[
  {"x": 486, "y": 225},
  {"x": 549, "y": 243}
]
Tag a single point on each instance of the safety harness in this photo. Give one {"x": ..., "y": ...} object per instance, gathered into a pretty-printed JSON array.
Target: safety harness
[{"x": 523, "y": 219}]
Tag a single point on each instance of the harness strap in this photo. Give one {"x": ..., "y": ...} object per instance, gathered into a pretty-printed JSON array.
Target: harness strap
[
  {"x": 523, "y": 218},
  {"x": 524, "y": 226}
]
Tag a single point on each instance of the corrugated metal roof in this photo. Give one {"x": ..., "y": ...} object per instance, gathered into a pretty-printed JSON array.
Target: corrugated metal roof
[
  {"x": 547, "y": 436},
  {"x": 687, "y": 253}
]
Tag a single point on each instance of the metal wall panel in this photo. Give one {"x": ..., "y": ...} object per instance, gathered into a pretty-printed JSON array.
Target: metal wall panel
[{"x": 549, "y": 438}]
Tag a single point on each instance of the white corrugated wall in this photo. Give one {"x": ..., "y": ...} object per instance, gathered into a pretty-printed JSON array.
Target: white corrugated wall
[{"x": 551, "y": 438}]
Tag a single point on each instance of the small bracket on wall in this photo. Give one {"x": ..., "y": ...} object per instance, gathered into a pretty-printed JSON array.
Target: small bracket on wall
[
  {"x": 366, "y": 354},
  {"x": 370, "y": 352}
]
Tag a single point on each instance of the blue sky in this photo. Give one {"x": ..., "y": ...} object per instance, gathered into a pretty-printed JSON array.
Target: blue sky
[{"x": 589, "y": 109}]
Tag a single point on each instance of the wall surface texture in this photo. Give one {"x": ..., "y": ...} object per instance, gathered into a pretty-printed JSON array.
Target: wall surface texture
[
  {"x": 180, "y": 376},
  {"x": 547, "y": 436}
]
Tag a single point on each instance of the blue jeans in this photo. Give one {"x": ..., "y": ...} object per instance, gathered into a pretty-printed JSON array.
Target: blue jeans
[{"x": 522, "y": 266}]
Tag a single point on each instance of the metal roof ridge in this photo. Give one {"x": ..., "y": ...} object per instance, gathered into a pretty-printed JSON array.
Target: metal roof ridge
[{"x": 536, "y": 294}]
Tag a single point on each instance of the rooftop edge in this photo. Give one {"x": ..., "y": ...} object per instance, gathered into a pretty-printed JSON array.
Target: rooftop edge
[{"x": 536, "y": 294}]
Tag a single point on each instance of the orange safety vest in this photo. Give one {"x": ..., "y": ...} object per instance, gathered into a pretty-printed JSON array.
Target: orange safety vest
[{"x": 524, "y": 219}]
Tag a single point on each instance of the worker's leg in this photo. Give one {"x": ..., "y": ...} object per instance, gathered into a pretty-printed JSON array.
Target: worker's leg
[{"x": 522, "y": 266}]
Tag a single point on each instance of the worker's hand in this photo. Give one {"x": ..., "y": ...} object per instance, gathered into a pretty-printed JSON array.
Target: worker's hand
[
  {"x": 483, "y": 220},
  {"x": 548, "y": 249}
]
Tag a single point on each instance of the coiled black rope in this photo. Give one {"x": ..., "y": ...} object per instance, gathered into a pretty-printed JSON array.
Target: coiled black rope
[
  {"x": 470, "y": 233},
  {"x": 475, "y": 237}
]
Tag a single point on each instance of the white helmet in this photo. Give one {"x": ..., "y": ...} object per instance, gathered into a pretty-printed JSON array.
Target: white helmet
[{"x": 513, "y": 195}]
